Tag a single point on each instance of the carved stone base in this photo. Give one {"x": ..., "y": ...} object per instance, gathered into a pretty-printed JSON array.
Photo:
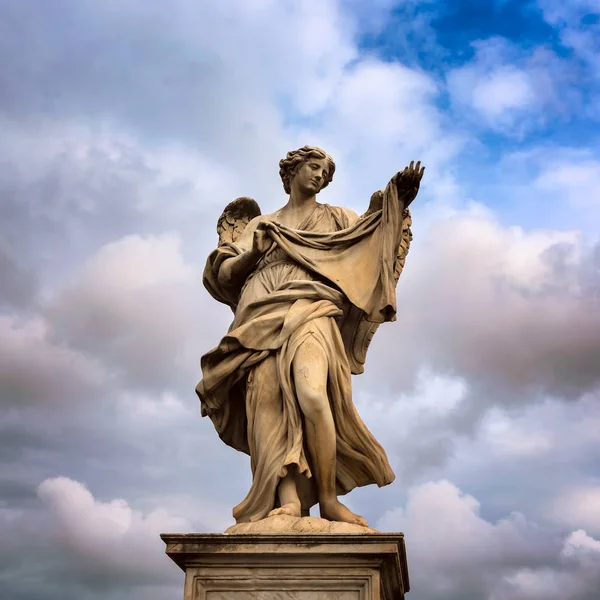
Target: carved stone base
[
  {"x": 303, "y": 566},
  {"x": 287, "y": 524}
]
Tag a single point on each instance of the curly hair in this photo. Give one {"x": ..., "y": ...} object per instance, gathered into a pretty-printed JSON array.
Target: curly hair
[{"x": 294, "y": 159}]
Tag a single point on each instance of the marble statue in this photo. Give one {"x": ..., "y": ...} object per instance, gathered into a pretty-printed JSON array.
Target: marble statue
[{"x": 309, "y": 285}]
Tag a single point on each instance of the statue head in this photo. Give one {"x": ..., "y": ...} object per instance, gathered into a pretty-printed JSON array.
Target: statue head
[{"x": 294, "y": 159}]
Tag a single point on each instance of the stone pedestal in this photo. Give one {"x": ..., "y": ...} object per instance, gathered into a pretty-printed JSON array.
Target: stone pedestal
[{"x": 299, "y": 566}]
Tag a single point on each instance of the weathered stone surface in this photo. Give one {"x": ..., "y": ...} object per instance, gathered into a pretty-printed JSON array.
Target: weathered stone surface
[
  {"x": 298, "y": 594},
  {"x": 299, "y": 566},
  {"x": 309, "y": 285},
  {"x": 288, "y": 524}
]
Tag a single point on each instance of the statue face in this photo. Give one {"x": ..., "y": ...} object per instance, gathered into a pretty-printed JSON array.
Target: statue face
[{"x": 310, "y": 176}]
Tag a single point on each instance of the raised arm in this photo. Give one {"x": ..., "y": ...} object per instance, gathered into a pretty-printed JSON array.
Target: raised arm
[
  {"x": 407, "y": 184},
  {"x": 408, "y": 181}
]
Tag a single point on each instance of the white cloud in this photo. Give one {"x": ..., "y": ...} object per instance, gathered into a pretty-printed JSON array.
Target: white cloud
[
  {"x": 455, "y": 553},
  {"x": 382, "y": 116},
  {"x": 509, "y": 310},
  {"x": 138, "y": 306},
  {"x": 578, "y": 182},
  {"x": 445, "y": 531},
  {"x": 551, "y": 185},
  {"x": 141, "y": 409},
  {"x": 135, "y": 263},
  {"x": 508, "y": 439},
  {"x": 511, "y": 90},
  {"x": 576, "y": 34},
  {"x": 503, "y": 89},
  {"x": 110, "y": 537},
  {"x": 578, "y": 507},
  {"x": 87, "y": 157},
  {"x": 528, "y": 457},
  {"x": 579, "y": 544}
]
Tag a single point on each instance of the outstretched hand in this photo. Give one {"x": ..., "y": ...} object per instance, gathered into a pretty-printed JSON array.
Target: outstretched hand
[{"x": 407, "y": 182}]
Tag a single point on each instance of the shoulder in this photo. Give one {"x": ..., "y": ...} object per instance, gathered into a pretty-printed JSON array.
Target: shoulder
[
  {"x": 253, "y": 224},
  {"x": 352, "y": 216},
  {"x": 346, "y": 214}
]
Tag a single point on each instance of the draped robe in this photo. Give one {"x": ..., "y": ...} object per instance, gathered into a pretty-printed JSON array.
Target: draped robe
[{"x": 313, "y": 281}]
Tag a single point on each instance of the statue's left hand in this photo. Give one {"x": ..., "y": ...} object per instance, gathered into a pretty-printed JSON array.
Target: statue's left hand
[{"x": 407, "y": 182}]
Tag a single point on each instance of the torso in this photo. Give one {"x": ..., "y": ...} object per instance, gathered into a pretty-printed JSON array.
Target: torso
[
  {"x": 276, "y": 268},
  {"x": 323, "y": 218}
]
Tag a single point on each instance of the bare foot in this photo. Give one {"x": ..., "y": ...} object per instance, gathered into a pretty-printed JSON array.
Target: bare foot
[
  {"x": 292, "y": 509},
  {"x": 336, "y": 511}
]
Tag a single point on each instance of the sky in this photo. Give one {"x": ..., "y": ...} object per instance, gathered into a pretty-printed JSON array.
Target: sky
[{"x": 126, "y": 127}]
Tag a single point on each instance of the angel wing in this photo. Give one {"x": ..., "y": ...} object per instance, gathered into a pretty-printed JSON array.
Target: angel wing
[
  {"x": 363, "y": 330},
  {"x": 375, "y": 203},
  {"x": 234, "y": 218}
]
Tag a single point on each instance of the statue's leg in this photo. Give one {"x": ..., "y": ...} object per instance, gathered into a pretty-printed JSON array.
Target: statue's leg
[
  {"x": 268, "y": 444},
  {"x": 310, "y": 369},
  {"x": 267, "y": 431},
  {"x": 289, "y": 502}
]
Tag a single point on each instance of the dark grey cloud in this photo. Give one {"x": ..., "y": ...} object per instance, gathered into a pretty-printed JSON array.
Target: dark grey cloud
[
  {"x": 18, "y": 283},
  {"x": 53, "y": 555},
  {"x": 36, "y": 372},
  {"x": 68, "y": 189},
  {"x": 516, "y": 317}
]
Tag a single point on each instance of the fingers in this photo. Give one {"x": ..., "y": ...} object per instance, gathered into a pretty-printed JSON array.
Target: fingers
[
  {"x": 262, "y": 242},
  {"x": 414, "y": 171},
  {"x": 410, "y": 175}
]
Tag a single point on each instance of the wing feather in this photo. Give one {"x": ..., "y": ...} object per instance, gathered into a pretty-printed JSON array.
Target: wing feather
[{"x": 234, "y": 218}]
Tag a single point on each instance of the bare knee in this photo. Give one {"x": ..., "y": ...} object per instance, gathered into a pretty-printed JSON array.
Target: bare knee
[
  {"x": 314, "y": 405},
  {"x": 310, "y": 377}
]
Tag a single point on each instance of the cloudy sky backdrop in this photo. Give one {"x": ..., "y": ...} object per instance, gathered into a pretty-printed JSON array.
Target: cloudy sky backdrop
[{"x": 125, "y": 128}]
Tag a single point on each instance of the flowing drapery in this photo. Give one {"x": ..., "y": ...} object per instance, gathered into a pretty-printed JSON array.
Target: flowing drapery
[{"x": 306, "y": 286}]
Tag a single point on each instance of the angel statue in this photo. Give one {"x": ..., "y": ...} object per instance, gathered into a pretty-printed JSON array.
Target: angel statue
[{"x": 309, "y": 285}]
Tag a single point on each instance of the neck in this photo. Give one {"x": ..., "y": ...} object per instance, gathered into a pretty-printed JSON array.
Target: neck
[{"x": 299, "y": 201}]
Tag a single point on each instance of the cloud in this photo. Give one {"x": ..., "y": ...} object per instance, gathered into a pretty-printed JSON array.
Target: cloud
[
  {"x": 108, "y": 535},
  {"x": 577, "y": 182},
  {"x": 127, "y": 127},
  {"x": 507, "y": 460},
  {"x": 547, "y": 185},
  {"x": 577, "y": 30},
  {"x": 578, "y": 577},
  {"x": 395, "y": 105},
  {"x": 37, "y": 372},
  {"x": 88, "y": 548},
  {"x": 18, "y": 284},
  {"x": 120, "y": 146},
  {"x": 138, "y": 307},
  {"x": 513, "y": 285},
  {"x": 70, "y": 187},
  {"x": 578, "y": 506},
  {"x": 511, "y": 90},
  {"x": 503, "y": 89},
  {"x": 178, "y": 67},
  {"x": 518, "y": 317},
  {"x": 455, "y": 553}
]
